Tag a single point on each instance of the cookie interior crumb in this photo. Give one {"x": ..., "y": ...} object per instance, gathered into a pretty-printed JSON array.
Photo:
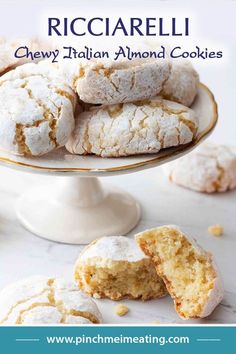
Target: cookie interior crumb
[
  {"x": 188, "y": 274},
  {"x": 121, "y": 309},
  {"x": 134, "y": 280},
  {"x": 216, "y": 230}
]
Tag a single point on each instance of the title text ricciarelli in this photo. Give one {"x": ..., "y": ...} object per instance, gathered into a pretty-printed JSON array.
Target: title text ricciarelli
[{"x": 99, "y": 26}]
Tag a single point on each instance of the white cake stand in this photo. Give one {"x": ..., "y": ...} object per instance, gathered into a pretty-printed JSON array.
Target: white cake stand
[{"x": 77, "y": 208}]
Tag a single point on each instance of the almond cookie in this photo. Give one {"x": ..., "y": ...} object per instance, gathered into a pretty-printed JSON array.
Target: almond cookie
[
  {"x": 142, "y": 127},
  {"x": 182, "y": 83},
  {"x": 188, "y": 271},
  {"x": 8, "y": 48},
  {"x": 7, "y": 58},
  {"x": 36, "y": 109},
  {"x": 210, "y": 168},
  {"x": 41, "y": 300},
  {"x": 115, "y": 268},
  {"x": 109, "y": 82}
]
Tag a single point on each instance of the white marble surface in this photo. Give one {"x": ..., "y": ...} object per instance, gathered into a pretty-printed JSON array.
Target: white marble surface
[{"x": 23, "y": 254}]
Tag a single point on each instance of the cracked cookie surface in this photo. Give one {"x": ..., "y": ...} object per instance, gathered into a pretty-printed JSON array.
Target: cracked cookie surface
[
  {"x": 8, "y": 48},
  {"x": 37, "y": 110},
  {"x": 182, "y": 83},
  {"x": 41, "y": 300},
  {"x": 109, "y": 82},
  {"x": 132, "y": 128},
  {"x": 210, "y": 168},
  {"x": 7, "y": 58}
]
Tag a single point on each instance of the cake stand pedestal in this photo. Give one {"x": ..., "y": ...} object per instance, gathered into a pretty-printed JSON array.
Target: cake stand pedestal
[{"x": 76, "y": 208}]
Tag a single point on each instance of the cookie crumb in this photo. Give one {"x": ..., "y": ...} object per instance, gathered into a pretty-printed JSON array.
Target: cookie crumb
[
  {"x": 121, "y": 310},
  {"x": 216, "y": 230}
]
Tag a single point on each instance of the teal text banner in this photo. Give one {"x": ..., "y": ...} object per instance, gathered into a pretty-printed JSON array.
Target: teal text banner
[{"x": 114, "y": 340}]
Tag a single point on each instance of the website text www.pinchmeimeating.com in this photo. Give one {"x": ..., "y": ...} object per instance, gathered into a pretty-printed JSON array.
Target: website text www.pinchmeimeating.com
[{"x": 99, "y": 339}]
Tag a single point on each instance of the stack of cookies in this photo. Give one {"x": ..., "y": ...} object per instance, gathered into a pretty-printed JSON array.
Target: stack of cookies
[{"x": 109, "y": 109}]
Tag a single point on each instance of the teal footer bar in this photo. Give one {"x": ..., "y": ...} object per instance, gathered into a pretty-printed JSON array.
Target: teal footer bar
[{"x": 113, "y": 340}]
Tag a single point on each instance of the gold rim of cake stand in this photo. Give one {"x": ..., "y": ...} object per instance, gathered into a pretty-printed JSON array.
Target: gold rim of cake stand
[{"x": 153, "y": 161}]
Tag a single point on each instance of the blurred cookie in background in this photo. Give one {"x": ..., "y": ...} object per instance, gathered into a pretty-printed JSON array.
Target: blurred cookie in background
[
  {"x": 8, "y": 47},
  {"x": 208, "y": 169}
]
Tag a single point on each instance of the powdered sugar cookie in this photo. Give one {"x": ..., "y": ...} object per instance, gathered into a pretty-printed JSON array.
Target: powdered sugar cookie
[
  {"x": 36, "y": 110},
  {"x": 109, "y": 82},
  {"x": 182, "y": 83},
  {"x": 8, "y": 60},
  {"x": 41, "y": 300},
  {"x": 210, "y": 168},
  {"x": 115, "y": 267},
  {"x": 189, "y": 272},
  {"x": 50, "y": 315},
  {"x": 132, "y": 128}
]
